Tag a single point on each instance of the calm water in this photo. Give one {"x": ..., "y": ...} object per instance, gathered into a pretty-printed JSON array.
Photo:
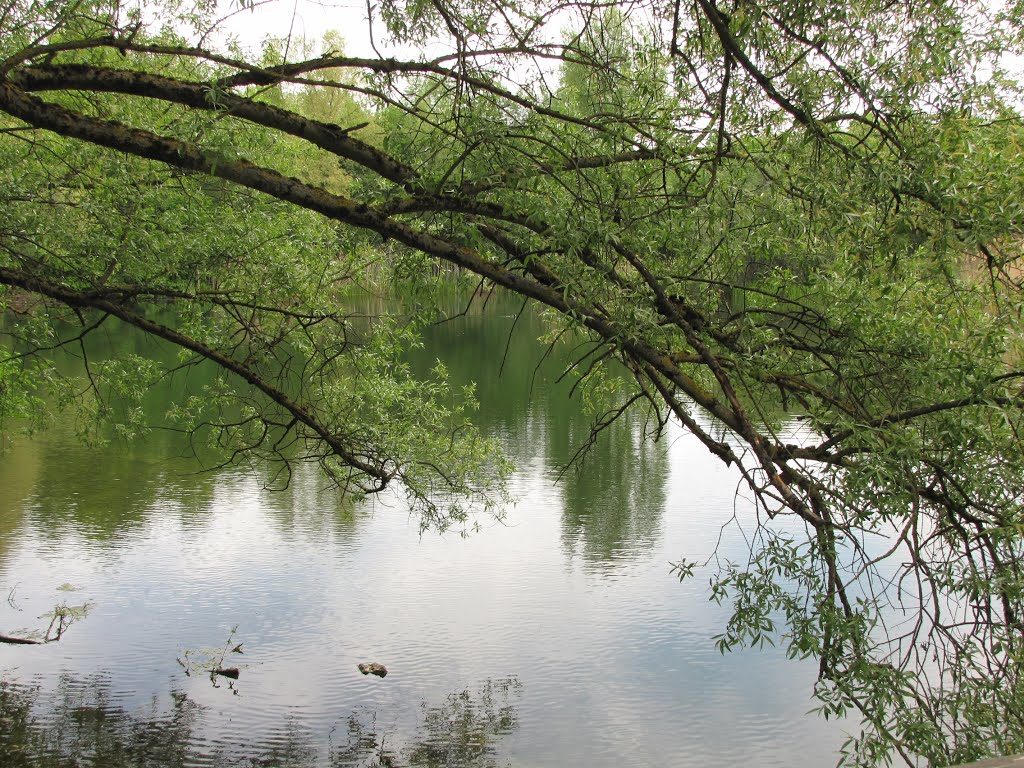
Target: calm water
[{"x": 558, "y": 637}]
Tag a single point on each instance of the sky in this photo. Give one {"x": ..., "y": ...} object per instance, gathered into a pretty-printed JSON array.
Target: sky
[{"x": 309, "y": 19}]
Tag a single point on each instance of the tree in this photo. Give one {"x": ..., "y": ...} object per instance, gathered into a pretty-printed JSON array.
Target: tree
[{"x": 753, "y": 208}]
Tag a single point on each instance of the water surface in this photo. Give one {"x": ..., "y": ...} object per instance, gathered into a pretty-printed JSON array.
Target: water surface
[{"x": 558, "y": 636}]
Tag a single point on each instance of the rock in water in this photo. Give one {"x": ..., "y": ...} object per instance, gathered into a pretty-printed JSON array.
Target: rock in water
[{"x": 373, "y": 668}]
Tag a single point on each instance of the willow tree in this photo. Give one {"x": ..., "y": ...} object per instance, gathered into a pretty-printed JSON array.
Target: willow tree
[{"x": 750, "y": 207}]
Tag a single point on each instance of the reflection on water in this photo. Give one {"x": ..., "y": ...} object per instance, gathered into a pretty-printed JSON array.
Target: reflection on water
[
  {"x": 613, "y": 494},
  {"x": 18, "y": 475},
  {"x": 571, "y": 597},
  {"x": 85, "y": 725},
  {"x": 612, "y": 505}
]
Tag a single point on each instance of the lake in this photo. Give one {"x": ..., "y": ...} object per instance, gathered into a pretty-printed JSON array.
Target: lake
[{"x": 557, "y": 636}]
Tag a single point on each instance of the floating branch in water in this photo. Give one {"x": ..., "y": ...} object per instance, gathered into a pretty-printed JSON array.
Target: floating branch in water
[
  {"x": 19, "y": 640},
  {"x": 61, "y": 617},
  {"x": 212, "y": 659}
]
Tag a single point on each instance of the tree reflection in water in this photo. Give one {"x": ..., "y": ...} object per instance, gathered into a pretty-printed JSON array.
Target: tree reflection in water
[{"x": 85, "y": 727}]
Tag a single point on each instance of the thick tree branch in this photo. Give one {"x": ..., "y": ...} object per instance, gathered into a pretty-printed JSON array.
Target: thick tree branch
[
  {"x": 207, "y": 97},
  {"x": 301, "y": 413}
]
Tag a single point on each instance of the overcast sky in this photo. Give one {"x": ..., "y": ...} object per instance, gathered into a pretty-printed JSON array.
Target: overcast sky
[{"x": 308, "y": 19}]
